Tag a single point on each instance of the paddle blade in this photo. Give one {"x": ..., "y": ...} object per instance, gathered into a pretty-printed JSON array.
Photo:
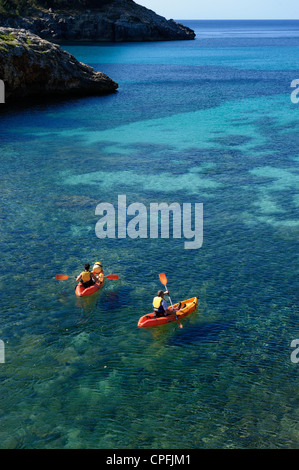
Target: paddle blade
[
  {"x": 62, "y": 277},
  {"x": 112, "y": 276},
  {"x": 163, "y": 278}
]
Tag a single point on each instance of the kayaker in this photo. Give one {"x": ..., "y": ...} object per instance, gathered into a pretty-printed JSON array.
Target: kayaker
[
  {"x": 160, "y": 305},
  {"x": 97, "y": 270},
  {"x": 87, "y": 278}
]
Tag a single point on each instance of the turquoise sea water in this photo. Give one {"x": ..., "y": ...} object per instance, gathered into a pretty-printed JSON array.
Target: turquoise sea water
[{"x": 207, "y": 121}]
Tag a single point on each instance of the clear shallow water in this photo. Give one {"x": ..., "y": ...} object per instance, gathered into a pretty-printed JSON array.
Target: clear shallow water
[{"x": 202, "y": 121}]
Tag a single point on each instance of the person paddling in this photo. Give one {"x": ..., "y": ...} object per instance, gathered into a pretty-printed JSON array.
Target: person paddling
[
  {"x": 87, "y": 278},
  {"x": 160, "y": 305}
]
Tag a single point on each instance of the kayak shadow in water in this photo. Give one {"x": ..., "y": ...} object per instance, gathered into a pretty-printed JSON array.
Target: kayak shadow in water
[
  {"x": 63, "y": 297},
  {"x": 201, "y": 333},
  {"x": 105, "y": 300},
  {"x": 89, "y": 302},
  {"x": 115, "y": 299}
]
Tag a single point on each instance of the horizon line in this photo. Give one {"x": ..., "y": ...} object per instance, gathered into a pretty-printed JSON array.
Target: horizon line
[{"x": 238, "y": 19}]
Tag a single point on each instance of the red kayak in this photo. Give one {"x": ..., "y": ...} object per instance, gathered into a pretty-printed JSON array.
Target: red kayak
[
  {"x": 151, "y": 320},
  {"x": 82, "y": 291}
]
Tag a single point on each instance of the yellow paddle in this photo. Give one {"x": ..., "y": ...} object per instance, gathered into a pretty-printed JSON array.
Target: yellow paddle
[{"x": 163, "y": 280}]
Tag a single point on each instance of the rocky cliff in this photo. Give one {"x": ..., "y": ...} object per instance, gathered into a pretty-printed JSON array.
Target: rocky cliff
[
  {"x": 116, "y": 21},
  {"x": 31, "y": 66}
]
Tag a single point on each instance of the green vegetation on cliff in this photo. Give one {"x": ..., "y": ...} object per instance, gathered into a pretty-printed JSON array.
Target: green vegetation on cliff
[
  {"x": 22, "y": 6},
  {"x": 90, "y": 20}
]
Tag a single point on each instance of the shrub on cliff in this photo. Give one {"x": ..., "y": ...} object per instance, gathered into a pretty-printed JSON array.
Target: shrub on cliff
[{"x": 22, "y": 6}]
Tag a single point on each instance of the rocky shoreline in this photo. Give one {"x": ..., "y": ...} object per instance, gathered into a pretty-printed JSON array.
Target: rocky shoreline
[
  {"x": 119, "y": 21},
  {"x": 31, "y": 67},
  {"x": 32, "y": 63}
]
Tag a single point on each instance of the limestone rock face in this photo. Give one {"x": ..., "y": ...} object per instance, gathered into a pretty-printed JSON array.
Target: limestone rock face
[
  {"x": 117, "y": 21},
  {"x": 31, "y": 66}
]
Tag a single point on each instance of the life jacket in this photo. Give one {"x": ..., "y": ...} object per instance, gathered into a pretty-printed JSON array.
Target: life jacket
[
  {"x": 157, "y": 304},
  {"x": 86, "y": 276},
  {"x": 100, "y": 276}
]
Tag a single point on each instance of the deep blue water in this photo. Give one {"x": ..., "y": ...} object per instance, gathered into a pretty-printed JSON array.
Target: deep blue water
[{"x": 207, "y": 121}]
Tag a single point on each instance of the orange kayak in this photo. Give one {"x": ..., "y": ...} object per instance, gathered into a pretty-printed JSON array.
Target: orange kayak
[
  {"x": 151, "y": 320},
  {"x": 82, "y": 291}
]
